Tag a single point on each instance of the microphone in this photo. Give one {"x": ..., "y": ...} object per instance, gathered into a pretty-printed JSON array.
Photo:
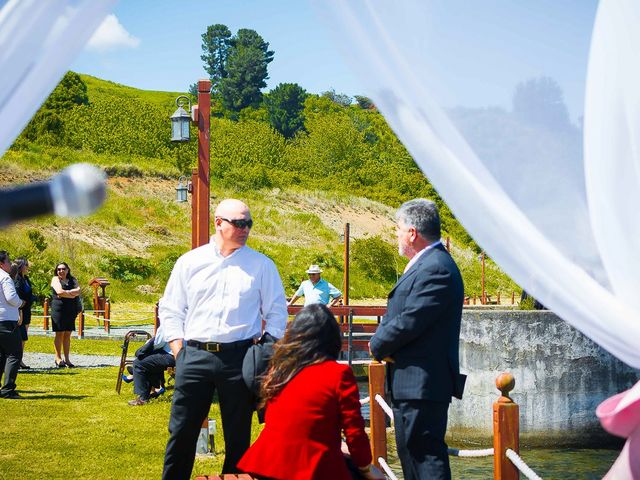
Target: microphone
[{"x": 77, "y": 190}]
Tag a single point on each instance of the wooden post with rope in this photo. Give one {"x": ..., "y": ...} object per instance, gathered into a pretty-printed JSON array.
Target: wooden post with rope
[
  {"x": 45, "y": 315},
  {"x": 506, "y": 430},
  {"x": 377, "y": 419},
  {"x": 107, "y": 316}
]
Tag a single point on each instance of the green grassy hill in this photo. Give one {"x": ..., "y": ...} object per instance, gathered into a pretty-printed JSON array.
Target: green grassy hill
[{"x": 346, "y": 167}]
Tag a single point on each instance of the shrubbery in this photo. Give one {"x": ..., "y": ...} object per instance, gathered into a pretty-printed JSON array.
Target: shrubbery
[{"x": 124, "y": 267}]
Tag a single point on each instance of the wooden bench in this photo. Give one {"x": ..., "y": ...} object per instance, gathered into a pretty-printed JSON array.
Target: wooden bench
[{"x": 226, "y": 476}]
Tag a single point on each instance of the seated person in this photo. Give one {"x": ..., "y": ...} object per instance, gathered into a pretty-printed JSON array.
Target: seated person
[
  {"x": 152, "y": 359},
  {"x": 316, "y": 290},
  {"x": 310, "y": 401}
]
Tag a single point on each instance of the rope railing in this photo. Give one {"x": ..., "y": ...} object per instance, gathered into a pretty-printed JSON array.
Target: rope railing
[
  {"x": 385, "y": 406},
  {"x": 105, "y": 315},
  {"x": 521, "y": 465},
  {"x": 484, "y": 452},
  {"x": 507, "y": 463},
  {"x": 387, "y": 470}
]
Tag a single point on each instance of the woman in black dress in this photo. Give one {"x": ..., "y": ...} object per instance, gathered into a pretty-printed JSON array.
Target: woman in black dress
[
  {"x": 64, "y": 309},
  {"x": 25, "y": 292}
]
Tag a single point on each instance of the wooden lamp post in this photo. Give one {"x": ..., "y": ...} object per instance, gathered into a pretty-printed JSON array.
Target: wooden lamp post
[{"x": 200, "y": 191}]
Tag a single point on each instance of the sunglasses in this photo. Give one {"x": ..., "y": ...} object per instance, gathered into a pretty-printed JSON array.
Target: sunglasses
[
  {"x": 240, "y": 223},
  {"x": 61, "y": 269}
]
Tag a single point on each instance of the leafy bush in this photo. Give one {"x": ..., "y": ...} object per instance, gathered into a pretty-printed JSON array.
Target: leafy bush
[
  {"x": 126, "y": 268},
  {"x": 377, "y": 258}
]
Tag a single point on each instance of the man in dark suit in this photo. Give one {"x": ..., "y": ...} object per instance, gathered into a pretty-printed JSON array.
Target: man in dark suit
[{"x": 419, "y": 337}]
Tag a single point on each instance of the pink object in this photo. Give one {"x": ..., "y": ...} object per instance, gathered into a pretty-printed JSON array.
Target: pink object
[{"x": 620, "y": 416}]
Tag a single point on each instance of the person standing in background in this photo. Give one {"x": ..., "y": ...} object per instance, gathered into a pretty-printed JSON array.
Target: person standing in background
[
  {"x": 64, "y": 309},
  {"x": 25, "y": 292},
  {"x": 10, "y": 341},
  {"x": 316, "y": 290}
]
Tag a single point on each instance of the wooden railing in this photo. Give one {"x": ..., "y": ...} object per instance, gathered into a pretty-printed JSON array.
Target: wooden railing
[{"x": 506, "y": 426}]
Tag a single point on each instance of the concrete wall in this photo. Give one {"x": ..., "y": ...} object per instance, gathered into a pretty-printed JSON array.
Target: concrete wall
[{"x": 561, "y": 377}]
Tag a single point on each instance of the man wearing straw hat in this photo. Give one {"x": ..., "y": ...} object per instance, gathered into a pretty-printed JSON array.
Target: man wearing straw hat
[{"x": 316, "y": 289}]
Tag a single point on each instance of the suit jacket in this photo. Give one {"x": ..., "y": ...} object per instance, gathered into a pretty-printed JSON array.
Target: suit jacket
[
  {"x": 421, "y": 329},
  {"x": 301, "y": 438}
]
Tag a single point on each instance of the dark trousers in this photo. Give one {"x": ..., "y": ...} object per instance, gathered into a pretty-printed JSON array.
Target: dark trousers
[
  {"x": 420, "y": 429},
  {"x": 198, "y": 375},
  {"x": 148, "y": 372},
  {"x": 10, "y": 356}
]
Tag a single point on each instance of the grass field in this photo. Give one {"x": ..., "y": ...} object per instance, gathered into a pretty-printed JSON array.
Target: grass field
[{"x": 72, "y": 424}]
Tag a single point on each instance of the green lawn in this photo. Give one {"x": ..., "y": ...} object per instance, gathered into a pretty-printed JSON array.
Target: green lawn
[{"x": 72, "y": 424}]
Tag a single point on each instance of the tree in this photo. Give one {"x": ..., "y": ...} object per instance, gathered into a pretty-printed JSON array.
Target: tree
[
  {"x": 246, "y": 71},
  {"x": 47, "y": 125},
  {"x": 365, "y": 102},
  {"x": 285, "y": 106},
  {"x": 215, "y": 45},
  {"x": 70, "y": 92},
  {"x": 339, "y": 98},
  {"x": 540, "y": 102}
]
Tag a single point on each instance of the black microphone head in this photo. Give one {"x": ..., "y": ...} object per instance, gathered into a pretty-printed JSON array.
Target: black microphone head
[{"x": 78, "y": 190}]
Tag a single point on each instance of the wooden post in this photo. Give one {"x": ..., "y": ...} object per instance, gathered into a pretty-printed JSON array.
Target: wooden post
[
  {"x": 506, "y": 430},
  {"x": 345, "y": 282},
  {"x": 498, "y": 298},
  {"x": 45, "y": 315},
  {"x": 377, "y": 420},
  {"x": 448, "y": 244},
  {"x": 203, "y": 186},
  {"x": 81, "y": 324},
  {"x": 483, "y": 301},
  {"x": 513, "y": 298},
  {"x": 107, "y": 316},
  {"x": 194, "y": 209},
  {"x": 156, "y": 319}
]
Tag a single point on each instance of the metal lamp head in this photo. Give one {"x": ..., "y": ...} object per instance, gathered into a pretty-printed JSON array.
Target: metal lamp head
[
  {"x": 180, "y": 120},
  {"x": 181, "y": 191}
]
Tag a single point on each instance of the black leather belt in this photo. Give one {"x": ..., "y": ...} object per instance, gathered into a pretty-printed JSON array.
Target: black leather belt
[{"x": 215, "y": 347}]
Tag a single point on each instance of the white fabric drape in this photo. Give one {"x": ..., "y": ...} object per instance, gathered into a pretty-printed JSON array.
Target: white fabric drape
[
  {"x": 562, "y": 224},
  {"x": 38, "y": 41}
]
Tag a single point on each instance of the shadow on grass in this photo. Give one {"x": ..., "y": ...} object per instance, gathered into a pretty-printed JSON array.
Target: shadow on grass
[
  {"x": 48, "y": 371},
  {"x": 54, "y": 396}
]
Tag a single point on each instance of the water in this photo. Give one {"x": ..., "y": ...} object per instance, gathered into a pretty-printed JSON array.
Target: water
[{"x": 567, "y": 464}]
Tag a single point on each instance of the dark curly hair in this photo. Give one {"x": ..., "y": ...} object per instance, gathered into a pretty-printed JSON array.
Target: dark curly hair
[{"x": 313, "y": 337}]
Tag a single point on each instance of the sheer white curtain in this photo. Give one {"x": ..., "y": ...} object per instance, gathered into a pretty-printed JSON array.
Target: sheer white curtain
[
  {"x": 509, "y": 161},
  {"x": 38, "y": 41}
]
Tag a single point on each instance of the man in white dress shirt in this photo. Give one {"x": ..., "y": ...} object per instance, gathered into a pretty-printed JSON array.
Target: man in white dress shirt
[{"x": 214, "y": 306}]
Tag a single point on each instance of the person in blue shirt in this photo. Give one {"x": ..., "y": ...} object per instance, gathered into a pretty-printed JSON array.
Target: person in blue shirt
[{"x": 316, "y": 290}]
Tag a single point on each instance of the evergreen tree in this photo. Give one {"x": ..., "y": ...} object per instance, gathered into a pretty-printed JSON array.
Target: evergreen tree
[
  {"x": 285, "y": 106},
  {"x": 246, "y": 71},
  {"x": 215, "y": 45}
]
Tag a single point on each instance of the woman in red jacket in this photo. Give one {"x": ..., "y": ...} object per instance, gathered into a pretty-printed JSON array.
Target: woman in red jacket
[{"x": 310, "y": 400}]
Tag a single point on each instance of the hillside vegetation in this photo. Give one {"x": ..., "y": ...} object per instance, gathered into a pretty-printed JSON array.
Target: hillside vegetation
[{"x": 346, "y": 165}]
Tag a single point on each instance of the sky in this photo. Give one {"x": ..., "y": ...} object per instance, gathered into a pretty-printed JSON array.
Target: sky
[{"x": 156, "y": 45}]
